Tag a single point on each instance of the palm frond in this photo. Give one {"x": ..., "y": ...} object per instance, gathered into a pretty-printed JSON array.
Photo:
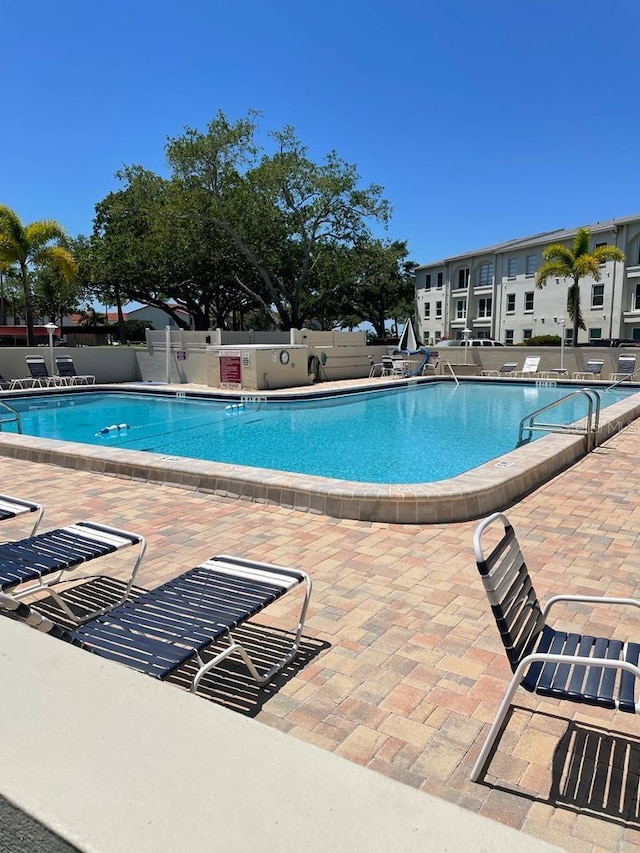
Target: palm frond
[
  {"x": 558, "y": 253},
  {"x": 608, "y": 253},
  {"x": 586, "y": 265},
  {"x": 552, "y": 269},
  {"x": 12, "y": 233},
  {"x": 581, "y": 242},
  {"x": 59, "y": 258},
  {"x": 39, "y": 233}
]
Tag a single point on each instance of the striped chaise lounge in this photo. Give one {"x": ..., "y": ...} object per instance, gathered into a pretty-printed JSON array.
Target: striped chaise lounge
[
  {"x": 545, "y": 660},
  {"x": 11, "y": 507},
  {"x": 165, "y": 627},
  {"x": 67, "y": 371},
  {"x": 41, "y": 561}
]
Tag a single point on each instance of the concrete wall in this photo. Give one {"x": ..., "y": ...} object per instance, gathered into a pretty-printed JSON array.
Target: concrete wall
[
  {"x": 107, "y": 364},
  {"x": 112, "y": 760},
  {"x": 134, "y": 364}
]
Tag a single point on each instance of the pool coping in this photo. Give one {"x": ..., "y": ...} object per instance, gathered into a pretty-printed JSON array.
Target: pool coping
[{"x": 487, "y": 488}]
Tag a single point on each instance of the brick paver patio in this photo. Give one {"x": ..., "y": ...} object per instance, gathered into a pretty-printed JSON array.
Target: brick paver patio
[{"x": 404, "y": 667}]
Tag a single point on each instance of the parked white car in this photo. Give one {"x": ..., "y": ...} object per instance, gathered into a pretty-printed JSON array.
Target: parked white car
[{"x": 472, "y": 342}]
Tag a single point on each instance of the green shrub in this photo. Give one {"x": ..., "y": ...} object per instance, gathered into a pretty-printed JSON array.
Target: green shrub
[{"x": 542, "y": 341}]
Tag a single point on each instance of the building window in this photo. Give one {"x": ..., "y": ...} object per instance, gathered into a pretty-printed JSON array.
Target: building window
[
  {"x": 508, "y": 337},
  {"x": 528, "y": 301},
  {"x": 486, "y": 274},
  {"x": 531, "y": 265},
  {"x": 461, "y": 309},
  {"x": 427, "y": 310},
  {"x": 463, "y": 277},
  {"x": 635, "y": 306},
  {"x": 511, "y": 303},
  {"x": 568, "y": 336},
  {"x": 595, "y": 335},
  {"x": 597, "y": 296},
  {"x": 512, "y": 267},
  {"x": 601, "y": 246},
  {"x": 526, "y": 334},
  {"x": 439, "y": 284},
  {"x": 438, "y": 310},
  {"x": 427, "y": 281},
  {"x": 484, "y": 308},
  {"x": 438, "y": 336}
]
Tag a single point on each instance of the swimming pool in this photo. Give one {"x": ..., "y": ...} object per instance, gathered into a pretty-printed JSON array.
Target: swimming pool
[{"x": 409, "y": 434}]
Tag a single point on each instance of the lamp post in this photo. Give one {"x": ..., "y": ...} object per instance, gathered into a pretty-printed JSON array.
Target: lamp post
[
  {"x": 560, "y": 322},
  {"x": 51, "y": 328},
  {"x": 466, "y": 334}
]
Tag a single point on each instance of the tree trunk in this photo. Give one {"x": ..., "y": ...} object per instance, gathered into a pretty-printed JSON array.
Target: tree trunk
[{"x": 28, "y": 310}]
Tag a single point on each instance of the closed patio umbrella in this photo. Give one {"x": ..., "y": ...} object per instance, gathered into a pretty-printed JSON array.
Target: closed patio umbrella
[{"x": 408, "y": 341}]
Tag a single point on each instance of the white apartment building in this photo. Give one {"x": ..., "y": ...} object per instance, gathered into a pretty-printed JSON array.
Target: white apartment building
[{"x": 492, "y": 292}]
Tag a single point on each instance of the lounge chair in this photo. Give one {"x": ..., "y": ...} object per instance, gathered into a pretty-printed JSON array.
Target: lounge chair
[
  {"x": 168, "y": 626},
  {"x": 40, "y": 562},
  {"x": 11, "y": 507},
  {"x": 626, "y": 368},
  {"x": 39, "y": 375},
  {"x": 530, "y": 366},
  {"x": 66, "y": 369},
  {"x": 390, "y": 366},
  {"x": 592, "y": 369},
  {"x": 544, "y": 660},
  {"x": 430, "y": 368},
  {"x": 508, "y": 368}
]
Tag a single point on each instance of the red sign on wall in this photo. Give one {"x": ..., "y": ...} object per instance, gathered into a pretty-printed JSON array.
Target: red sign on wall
[{"x": 230, "y": 370}]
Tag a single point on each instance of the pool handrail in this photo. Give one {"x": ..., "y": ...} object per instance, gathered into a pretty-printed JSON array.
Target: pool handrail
[
  {"x": 591, "y": 430},
  {"x": 626, "y": 378},
  {"x": 16, "y": 417},
  {"x": 452, "y": 372}
]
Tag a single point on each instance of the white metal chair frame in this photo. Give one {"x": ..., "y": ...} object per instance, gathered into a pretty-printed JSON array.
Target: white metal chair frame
[
  {"x": 505, "y": 578},
  {"x": 588, "y": 373}
]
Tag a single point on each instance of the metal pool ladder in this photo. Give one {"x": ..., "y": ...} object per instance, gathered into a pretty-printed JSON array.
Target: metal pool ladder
[
  {"x": 590, "y": 430},
  {"x": 14, "y": 417}
]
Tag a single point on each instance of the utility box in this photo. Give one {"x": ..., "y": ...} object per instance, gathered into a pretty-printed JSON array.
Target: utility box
[{"x": 258, "y": 367}]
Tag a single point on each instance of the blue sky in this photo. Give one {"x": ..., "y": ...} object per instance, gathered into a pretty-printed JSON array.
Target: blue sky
[{"x": 483, "y": 121}]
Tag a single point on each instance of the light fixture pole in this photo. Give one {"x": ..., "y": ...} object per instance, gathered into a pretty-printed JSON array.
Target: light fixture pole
[
  {"x": 51, "y": 328},
  {"x": 466, "y": 334},
  {"x": 560, "y": 322}
]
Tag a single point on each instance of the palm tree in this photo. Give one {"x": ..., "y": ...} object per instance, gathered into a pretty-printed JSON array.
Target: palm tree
[
  {"x": 31, "y": 245},
  {"x": 575, "y": 263}
]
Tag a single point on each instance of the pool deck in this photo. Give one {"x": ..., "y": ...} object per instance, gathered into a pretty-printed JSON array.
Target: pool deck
[
  {"x": 470, "y": 495},
  {"x": 403, "y": 669}
]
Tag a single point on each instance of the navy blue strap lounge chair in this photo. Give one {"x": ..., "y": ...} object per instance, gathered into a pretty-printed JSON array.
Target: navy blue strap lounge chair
[
  {"x": 507, "y": 368},
  {"x": 544, "y": 660},
  {"x": 592, "y": 370},
  {"x": 66, "y": 369},
  {"x": 42, "y": 561},
  {"x": 626, "y": 368},
  {"x": 11, "y": 507},
  {"x": 173, "y": 624},
  {"x": 38, "y": 375}
]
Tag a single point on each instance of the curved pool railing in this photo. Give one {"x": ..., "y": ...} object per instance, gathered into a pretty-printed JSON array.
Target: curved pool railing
[
  {"x": 14, "y": 417},
  {"x": 591, "y": 427}
]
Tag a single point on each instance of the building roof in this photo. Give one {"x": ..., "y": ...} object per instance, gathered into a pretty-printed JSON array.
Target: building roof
[{"x": 546, "y": 237}]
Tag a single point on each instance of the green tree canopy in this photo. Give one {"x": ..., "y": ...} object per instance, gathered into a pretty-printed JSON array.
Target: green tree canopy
[
  {"x": 372, "y": 282},
  {"x": 281, "y": 210},
  {"x": 152, "y": 244},
  {"x": 575, "y": 263}
]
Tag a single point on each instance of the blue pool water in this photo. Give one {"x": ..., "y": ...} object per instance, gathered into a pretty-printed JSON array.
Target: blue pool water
[{"x": 403, "y": 435}]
